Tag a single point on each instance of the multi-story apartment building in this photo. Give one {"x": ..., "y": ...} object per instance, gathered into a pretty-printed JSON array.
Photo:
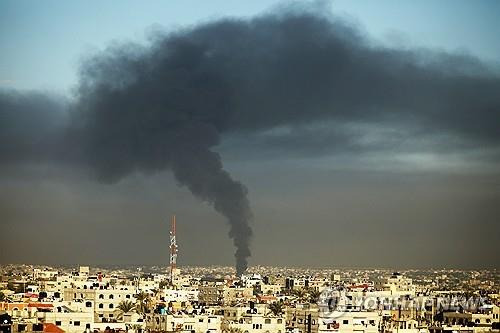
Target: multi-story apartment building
[
  {"x": 253, "y": 318},
  {"x": 232, "y": 295},
  {"x": 104, "y": 301},
  {"x": 398, "y": 284},
  {"x": 211, "y": 294},
  {"x": 182, "y": 322},
  {"x": 68, "y": 319}
]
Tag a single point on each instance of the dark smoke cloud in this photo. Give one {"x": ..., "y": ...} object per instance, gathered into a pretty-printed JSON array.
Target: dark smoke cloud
[
  {"x": 30, "y": 126},
  {"x": 166, "y": 105}
]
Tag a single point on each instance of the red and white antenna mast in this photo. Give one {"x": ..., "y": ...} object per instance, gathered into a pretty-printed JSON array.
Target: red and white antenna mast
[{"x": 173, "y": 248}]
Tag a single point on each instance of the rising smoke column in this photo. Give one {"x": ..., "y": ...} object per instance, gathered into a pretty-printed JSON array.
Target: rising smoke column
[
  {"x": 165, "y": 106},
  {"x": 200, "y": 169},
  {"x": 157, "y": 110}
]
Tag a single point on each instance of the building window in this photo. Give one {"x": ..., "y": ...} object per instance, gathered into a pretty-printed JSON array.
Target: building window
[
  {"x": 58, "y": 322},
  {"x": 111, "y": 296},
  {"x": 101, "y": 306},
  {"x": 88, "y": 304},
  {"x": 267, "y": 321},
  {"x": 76, "y": 323},
  {"x": 111, "y": 306},
  {"x": 345, "y": 322},
  {"x": 101, "y": 296}
]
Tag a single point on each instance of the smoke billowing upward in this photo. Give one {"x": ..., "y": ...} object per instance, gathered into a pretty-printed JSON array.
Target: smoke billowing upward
[
  {"x": 201, "y": 171},
  {"x": 30, "y": 126},
  {"x": 161, "y": 120},
  {"x": 166, "y": 105}
]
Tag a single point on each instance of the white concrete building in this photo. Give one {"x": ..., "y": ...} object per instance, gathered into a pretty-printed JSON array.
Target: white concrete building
[
  {"x": 348, "y": 322},
  {"x": 397, "y": 284},
  {"x": 103, "y": 302},
  {"x": 257, "y": 319},
  {"x": 198, "y": 323},
  {"x": 71, "y": 321}
]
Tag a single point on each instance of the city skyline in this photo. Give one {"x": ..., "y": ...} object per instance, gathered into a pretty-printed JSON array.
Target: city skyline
[{"x": 366, "y": 135}]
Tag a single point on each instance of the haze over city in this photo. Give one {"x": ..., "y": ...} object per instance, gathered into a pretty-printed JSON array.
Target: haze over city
[{"x": 328, "y": 134}]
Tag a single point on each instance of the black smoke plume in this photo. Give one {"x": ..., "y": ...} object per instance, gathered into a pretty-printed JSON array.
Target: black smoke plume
[{"x": 167, "y": 104}]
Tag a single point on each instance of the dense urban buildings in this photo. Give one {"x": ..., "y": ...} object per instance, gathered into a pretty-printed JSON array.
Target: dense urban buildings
[
  {"x": 294, "y": 140},
  {"x": 265, "y": 299}
]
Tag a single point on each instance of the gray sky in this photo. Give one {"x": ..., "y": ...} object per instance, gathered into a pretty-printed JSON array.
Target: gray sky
[{"x": 395, "y": 167}]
